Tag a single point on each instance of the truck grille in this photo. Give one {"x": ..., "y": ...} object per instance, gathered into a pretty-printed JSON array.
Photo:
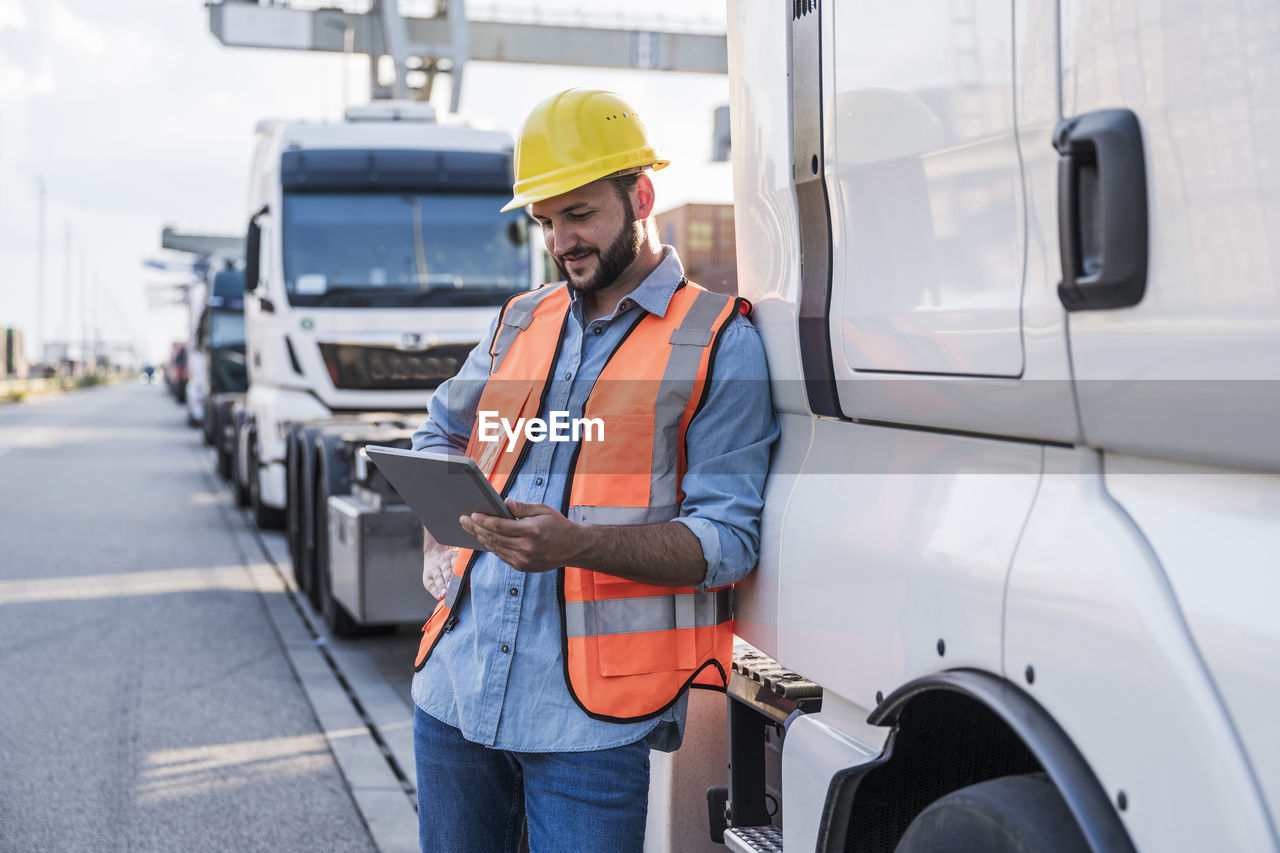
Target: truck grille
[{"x": 356, "y": 367}]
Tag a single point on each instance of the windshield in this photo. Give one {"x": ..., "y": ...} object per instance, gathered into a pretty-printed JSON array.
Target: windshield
[
  {"x": 226, "y": 328},
  {"x": 387, "y": 250}
]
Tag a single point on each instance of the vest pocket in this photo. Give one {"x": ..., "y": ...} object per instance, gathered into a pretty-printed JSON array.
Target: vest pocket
[
  {"x": 648, "y": 651},
  {"x": 633, "y": 626}
]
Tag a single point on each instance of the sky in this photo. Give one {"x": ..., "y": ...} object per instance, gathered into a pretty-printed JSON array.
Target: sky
[{"x": 135, "y": 117}]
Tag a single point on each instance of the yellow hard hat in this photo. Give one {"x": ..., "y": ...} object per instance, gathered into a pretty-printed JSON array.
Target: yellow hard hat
[{"x": 574, "y": 138}]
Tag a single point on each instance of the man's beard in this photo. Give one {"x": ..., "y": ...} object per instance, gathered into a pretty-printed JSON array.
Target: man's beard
[{"x": 616, "y": 257}]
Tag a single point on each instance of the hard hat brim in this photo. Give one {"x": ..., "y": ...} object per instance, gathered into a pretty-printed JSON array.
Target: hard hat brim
[{"x": 567, "y": 180}]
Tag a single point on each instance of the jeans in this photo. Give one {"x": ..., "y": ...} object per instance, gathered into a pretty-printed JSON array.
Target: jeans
[{"x": 474, "y": 799}]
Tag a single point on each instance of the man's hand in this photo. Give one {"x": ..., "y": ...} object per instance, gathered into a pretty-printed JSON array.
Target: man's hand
[
  {"x": 541, "y": 539},
  {"x": 538, "y": 540},
  {"x": 437, "y": 565}
]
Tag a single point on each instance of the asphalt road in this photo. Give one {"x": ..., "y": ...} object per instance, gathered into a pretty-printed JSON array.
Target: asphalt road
[{"x": 154, "y": 693}]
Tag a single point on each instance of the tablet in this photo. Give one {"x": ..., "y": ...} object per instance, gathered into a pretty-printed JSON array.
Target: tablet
[{"x": 439, "y": 487}]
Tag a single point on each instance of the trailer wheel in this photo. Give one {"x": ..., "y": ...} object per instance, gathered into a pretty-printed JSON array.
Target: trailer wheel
[
  {"x": 296, "y": 513},
  {"x": 314, "y": 522},
  {"x": 1011, "y": 814},
  {"x": 224, "y": 455},
  {"x": 209, "y": 423},
  {"x": 222, "y": 419},
  {"x": 238, "y": 483}
]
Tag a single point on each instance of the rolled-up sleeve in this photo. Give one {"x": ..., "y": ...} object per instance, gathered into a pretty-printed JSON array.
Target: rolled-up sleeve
[
  {"x": 728, "y": 448},
  {"x": 452, "y": 410}
]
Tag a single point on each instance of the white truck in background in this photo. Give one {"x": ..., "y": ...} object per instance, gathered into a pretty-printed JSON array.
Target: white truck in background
[
  {"x": 217, "y": 326},
  {"x": 376, "y": 257},
  {"x": 1014, "y": 267}
]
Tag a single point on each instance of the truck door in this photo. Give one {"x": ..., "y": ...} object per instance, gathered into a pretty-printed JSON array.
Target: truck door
[
  {"x": 256, "y": 288},
  {"x": 932, "y": 274},
  {"x": 1184, "y": 365},
  {"x": 1174, "y": 313}
]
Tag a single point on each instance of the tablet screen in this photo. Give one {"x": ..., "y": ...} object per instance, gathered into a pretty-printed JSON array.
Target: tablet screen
[{"x": 439, "y": 488}]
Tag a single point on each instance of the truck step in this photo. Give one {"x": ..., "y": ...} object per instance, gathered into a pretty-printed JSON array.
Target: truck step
[
  {"x": 753, "y": 839},
  {"x": 762, "y": 669}
]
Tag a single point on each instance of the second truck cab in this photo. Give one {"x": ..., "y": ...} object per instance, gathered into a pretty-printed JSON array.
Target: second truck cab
[{"x": 376, "y": 256}]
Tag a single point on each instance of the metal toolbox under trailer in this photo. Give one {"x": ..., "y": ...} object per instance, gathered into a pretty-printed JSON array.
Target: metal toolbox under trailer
[{"x": 375, "y": 556}]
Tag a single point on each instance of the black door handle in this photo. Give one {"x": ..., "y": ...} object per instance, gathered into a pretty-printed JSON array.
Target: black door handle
[{"x": 1102, "y": 210}]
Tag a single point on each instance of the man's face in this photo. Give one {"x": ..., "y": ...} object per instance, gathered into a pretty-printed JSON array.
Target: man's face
[{"x": 591, "y": 233}]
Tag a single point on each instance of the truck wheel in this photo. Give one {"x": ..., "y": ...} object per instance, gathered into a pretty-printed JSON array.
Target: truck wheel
[
  {"x": 1012, "y": 814},
  {"x": 221, "y": 418},
  {"x": 209, "y": 422},
  {"x": 238, "y": 484},
  {"x": 266, "y": 517},
  {"x": 323, "y": 474},
  {"x": 296, "y": 511},
  {"x": 224, "y": 459}
]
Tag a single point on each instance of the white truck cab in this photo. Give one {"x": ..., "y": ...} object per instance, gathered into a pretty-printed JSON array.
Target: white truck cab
[
  {"x": 376, "y": 258},
  {"x": 1013, "y": 265}
]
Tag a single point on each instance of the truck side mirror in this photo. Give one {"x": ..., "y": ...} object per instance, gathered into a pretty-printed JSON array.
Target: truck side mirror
[{"x": 252, "y": 246}]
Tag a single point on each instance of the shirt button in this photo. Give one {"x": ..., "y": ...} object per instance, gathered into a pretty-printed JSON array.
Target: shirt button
[
  {"x": 599, "y": 329},
  {"x": 568, "y": 376},
  {"x": 514, "y": 591},
  {"x": 538, "y": 482},
  {"x": 505, "y": 648}
]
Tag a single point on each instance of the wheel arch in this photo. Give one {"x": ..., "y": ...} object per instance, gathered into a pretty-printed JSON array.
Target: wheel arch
[{"x": 953, "y": 729}]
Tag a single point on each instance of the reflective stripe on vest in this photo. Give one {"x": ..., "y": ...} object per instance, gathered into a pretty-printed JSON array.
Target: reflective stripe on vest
[
  {"x": 654, "y": 613},
  {"x": 630, "y": 649}
]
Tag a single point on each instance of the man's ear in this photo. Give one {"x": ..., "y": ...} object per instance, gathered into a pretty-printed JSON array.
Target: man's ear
[{"x": 642, "y": 196}]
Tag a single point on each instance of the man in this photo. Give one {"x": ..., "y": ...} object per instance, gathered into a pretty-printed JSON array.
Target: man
[{"x": 563, "y": 653}]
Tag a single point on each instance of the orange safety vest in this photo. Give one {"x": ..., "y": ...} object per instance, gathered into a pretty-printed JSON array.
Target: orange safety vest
[{"x": 630, "y": 649}]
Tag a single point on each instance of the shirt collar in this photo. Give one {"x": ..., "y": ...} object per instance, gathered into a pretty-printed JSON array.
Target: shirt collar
[{"x": 655, "y": 292}]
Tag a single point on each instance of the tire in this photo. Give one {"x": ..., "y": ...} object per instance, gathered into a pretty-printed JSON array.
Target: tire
[
  {"x": 297, "y": 510},
  {"x": 209, "y": 423},
  {"x": 1012, "y": 814},
  {"x": 224, "y": 462},
  {"x": 222, "y": 418},
  {"x": 323, "y": 475},
  {"x": 238, "y": 483},
  {"x": 220, "y": 415}
]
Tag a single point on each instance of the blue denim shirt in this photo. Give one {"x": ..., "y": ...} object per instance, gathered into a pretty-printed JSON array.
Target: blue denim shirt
[{"x": 498, "y": 675}]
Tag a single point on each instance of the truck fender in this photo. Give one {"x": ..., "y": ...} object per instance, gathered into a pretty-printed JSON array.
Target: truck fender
[{"x": 1008, "y": 733}]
